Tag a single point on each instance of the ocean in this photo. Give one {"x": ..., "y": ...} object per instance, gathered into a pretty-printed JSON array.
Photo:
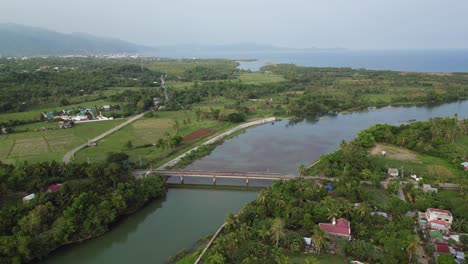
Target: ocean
[{"x": 398, "y": 60}]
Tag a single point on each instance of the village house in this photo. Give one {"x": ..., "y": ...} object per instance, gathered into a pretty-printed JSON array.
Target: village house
[
  {"x": 428, "y": 188},
  {"x": 54, "y": 187},
  {"x": 441, "y": 216},
  {"x": 393, "y": 172},
  {"x": 340, "y": 228},
  {"x": 29, "y": 197},
  {"x": 465, "y": 165}
]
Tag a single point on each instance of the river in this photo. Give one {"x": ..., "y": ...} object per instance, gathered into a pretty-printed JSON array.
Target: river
[{"x": 164, "y": 227}]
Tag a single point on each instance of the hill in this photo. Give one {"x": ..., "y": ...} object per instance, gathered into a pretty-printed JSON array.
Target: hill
[{"x": 19, "y": 40}]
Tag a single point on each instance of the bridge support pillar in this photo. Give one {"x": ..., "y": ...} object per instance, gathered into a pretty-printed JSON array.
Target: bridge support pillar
[
  {"x": 247, "y": 180},
  {"x": 214, "y": 179},
  {"x": 181, "y": 179}
]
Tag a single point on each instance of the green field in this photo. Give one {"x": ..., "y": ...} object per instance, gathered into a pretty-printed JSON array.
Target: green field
[
  {"x": 259, "y": 78},
  {"x": 147, "y": 131},
  {"x": 51, "y": 144}
]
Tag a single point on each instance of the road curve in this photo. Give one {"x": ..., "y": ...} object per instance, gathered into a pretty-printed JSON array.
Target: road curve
[{"x": 69, "y": 154}]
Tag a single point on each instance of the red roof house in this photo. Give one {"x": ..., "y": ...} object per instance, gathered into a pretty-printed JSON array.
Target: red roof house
[
  {"x": 54, "y": 187},
  {"x": 340, "y": 227},
  {"x": 442, "y": 248}
]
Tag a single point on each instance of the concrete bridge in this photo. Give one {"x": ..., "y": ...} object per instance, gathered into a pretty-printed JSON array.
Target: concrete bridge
[{"x": 225, "y": 174}]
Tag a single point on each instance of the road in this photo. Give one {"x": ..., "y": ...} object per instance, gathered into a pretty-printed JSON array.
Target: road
[{"x": 69, "y": 154}]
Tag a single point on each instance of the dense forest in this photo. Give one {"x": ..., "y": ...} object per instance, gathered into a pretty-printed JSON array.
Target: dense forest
[{"x": 72, "y": 203}]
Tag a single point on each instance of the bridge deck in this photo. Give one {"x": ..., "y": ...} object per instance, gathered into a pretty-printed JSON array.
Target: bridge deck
[{"x": 225, "y": 174}]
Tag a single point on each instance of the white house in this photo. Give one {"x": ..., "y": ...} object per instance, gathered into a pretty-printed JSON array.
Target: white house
[
  {"x": 439, "y": 217},
  {"x": 29, "y": 197},
  {"x": 393, "y": 172}
]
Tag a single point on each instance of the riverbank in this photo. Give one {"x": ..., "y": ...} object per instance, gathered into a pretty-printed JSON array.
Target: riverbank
[{"x": 173, "y": 162}]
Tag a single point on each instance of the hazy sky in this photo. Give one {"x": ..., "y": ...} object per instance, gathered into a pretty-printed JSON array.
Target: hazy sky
[{"x": 355, "y": 24}]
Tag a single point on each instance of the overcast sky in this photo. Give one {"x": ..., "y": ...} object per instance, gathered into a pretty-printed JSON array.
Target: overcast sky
[{"x": 354, "y": 24}]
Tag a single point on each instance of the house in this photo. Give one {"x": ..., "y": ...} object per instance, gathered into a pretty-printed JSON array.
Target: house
[
  {"x": 54, "y": 187},
  {"x": 340, "y": 227},
  {"x": 48, "y": 115},
  {"x": 439, "y": 219},
  {"x": 384, "y": 214},
  {"x": 308, "y": 241},
  {"x": 428, "y": 188},
  {"x": 465, "y": 165},
  {"x": 393, "y": 172},
  {"x": 106, "y": 107},
  {"x": 416, "y": 178},
  {"x": 442, "y": 248},
  {"x": 29, "y": 197}
]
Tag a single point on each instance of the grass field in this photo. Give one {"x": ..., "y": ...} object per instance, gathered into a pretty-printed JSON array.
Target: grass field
[
  {"x": 51, "y": 144},
  {"x": 259, "y": 78},
  {"x": 380, "y": 196},
  {"x": 147, "y": 131},
  {"x": 414, "y": 163}
]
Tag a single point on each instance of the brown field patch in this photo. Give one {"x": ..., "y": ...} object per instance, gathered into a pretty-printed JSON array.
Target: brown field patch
[
  {"x": 394, "y": 152},
  {"x": 198, "y": 134}
]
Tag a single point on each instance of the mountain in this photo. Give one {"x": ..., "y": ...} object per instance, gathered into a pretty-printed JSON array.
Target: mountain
[{"x": 19, "y": 40}]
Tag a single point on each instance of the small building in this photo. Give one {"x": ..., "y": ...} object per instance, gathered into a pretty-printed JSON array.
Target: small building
[
  {"x": 416, "y": 178},
  {"x": 442, "y": 248},
  {"x": 439, "y": 217},
  {"x": 384, "y": 214},
  {"x": 465, "y": 165},
  {"x": 428, "y": 188},
  {"x": 48, "y": 115},
  {"x": 340, "y": 228},
  {"x": 106, "y": 107},
  {"x": 54, "y": 187},
  {"x": 29, "y": 197},
  {"x": 393, "y": 172},
  {"x": 308, "y": 241}
]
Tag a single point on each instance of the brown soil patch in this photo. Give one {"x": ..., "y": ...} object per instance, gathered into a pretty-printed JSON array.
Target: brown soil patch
[
  {"x": 198, "y": 134},
  {"x": 394, "y": 152}
]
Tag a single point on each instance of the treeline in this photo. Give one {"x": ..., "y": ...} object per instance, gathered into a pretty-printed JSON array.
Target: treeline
[
  {"x": 272, "y": 227},
  {"x": 91, "y": 197},
  {"x": 20, "y": 90}
]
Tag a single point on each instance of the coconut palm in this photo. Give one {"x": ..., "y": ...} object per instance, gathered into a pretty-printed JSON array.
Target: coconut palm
[
  {"x": 231, "y": 222},
  {"x": 277, "y": 230},
  {"x": 302, "y": 170},
  {"x": 319, "y": 238},
  {"x": 311, "y": 260},
  {"x": 411, "y": 248}
]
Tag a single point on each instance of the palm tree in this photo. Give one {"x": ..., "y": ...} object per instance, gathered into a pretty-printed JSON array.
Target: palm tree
[
  {"x": 311, "y": 260},
  {"x": 459, "y": 224},
  {"x": 333, "y": 211},
  {"x": 277, "y": 230},
  {"x": 411, "y": 248},
  {"x": 231, "y": 222},
  {"x": 319, "y": 239},
  {"x": 302, "y": 170},
  {"x": 363, "y": 209},
  {"x": 263, "y": 197}
]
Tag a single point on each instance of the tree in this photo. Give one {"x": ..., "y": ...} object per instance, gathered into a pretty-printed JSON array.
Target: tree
[
  {"x": 311, "y": 260},
  {"x": 302, "y": 170},
  {"x": 231, "y": 222},
  {"x": 277, "y": 230},
  {"x": 319, "y": 239},
  {"x": 411, "y": 248},
  {"x": 129, "y": 144},
  {"x": 445, "y": 258}
]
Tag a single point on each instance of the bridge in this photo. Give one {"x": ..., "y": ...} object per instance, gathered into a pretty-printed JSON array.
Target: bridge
[{"x": 225, "y": 174}]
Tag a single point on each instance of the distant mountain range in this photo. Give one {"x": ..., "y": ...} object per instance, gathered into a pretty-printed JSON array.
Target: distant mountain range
[{"x": 18, "y": 40}]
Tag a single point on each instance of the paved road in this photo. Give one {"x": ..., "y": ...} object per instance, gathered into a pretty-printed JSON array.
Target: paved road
[{"x": 69, "y": 154}]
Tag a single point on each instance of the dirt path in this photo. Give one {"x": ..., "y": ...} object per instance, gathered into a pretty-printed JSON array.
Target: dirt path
[{"x": 69, "y": 154}]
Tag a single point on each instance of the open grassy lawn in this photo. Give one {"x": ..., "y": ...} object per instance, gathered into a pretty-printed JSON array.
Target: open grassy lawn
[
  {"x": 379, "y": 195},
  {"x": 414, "y": 162},
  {"x": 145, "y": 132},
  {"x": 259, "y": 78},
  {"x": 324, "y": 259},
  {"x": 51, "y": 144},
  {"x": 35, "y": 114},
  {"x": 456, "y": 202}
]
